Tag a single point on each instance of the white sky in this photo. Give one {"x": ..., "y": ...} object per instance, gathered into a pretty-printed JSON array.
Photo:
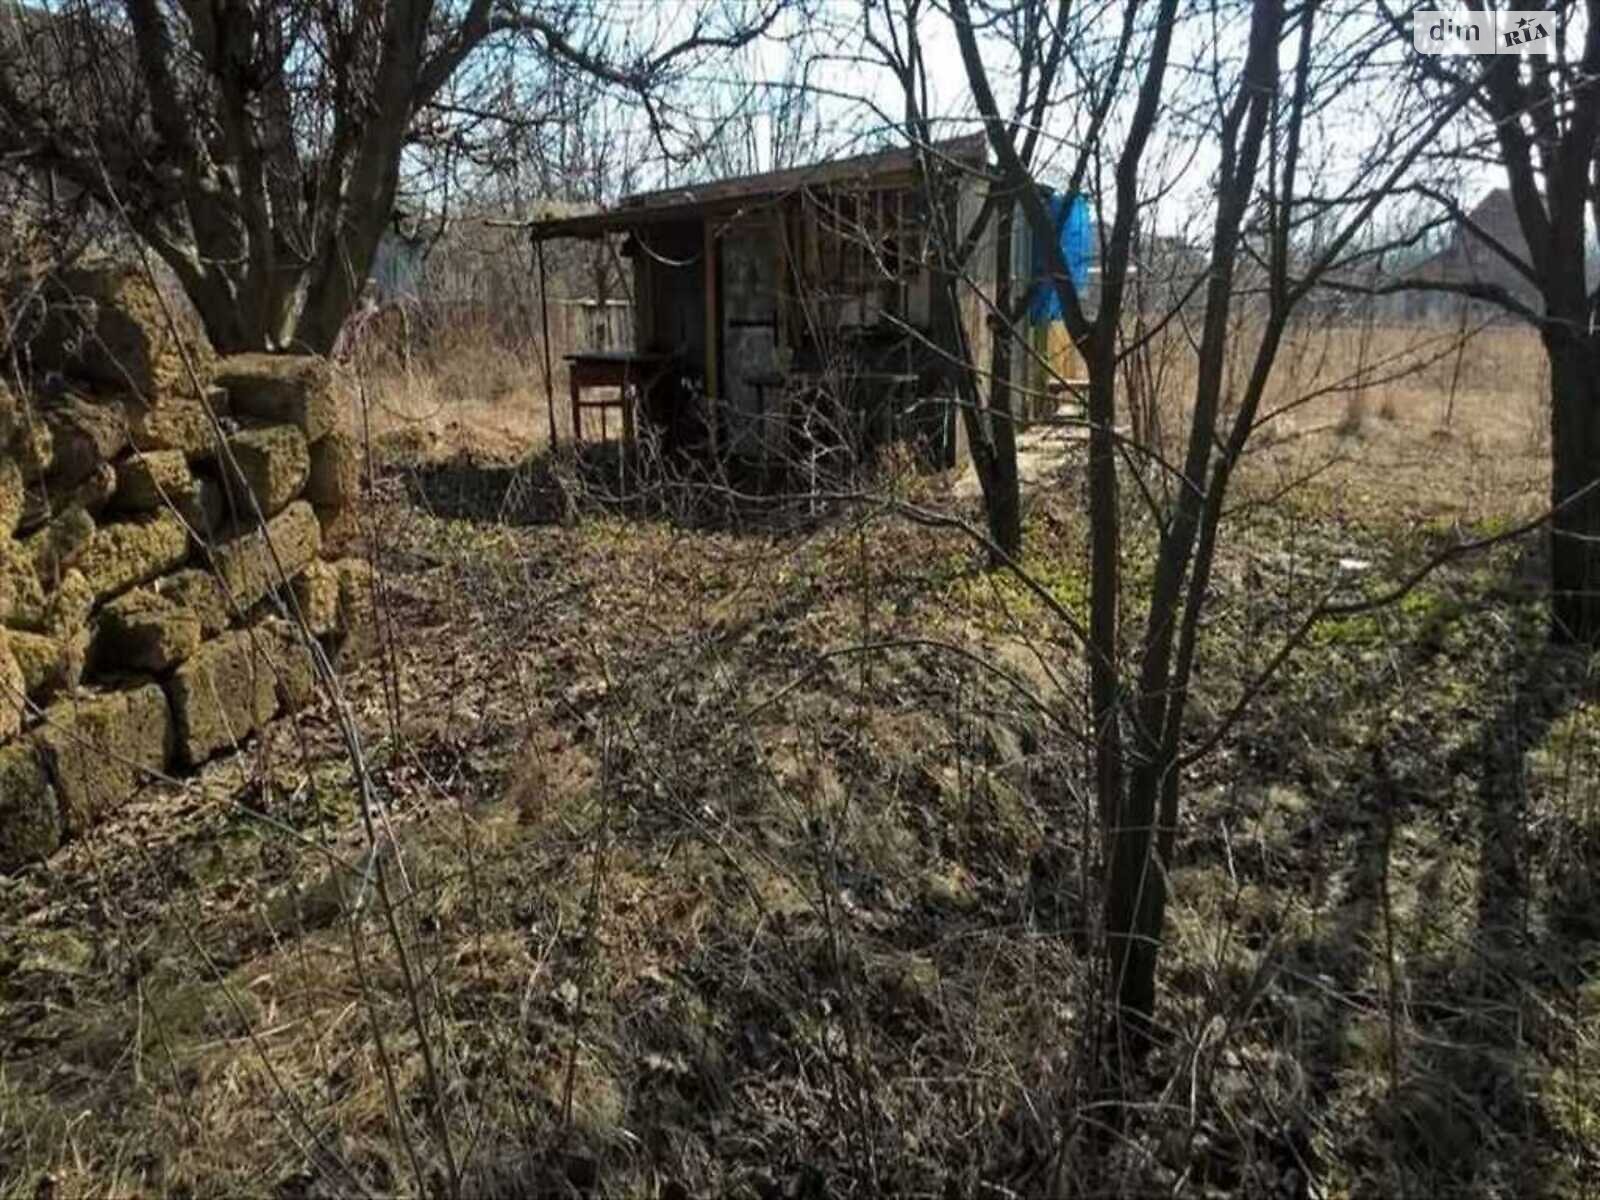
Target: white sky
[{"x": 1187, "y": 152}]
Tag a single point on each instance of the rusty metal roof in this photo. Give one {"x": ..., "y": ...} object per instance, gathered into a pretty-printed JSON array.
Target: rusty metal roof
[{"x": 676, "y": 204}]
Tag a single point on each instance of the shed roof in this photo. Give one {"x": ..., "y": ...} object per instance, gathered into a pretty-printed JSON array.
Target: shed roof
[{"x": 676, "y": 204}]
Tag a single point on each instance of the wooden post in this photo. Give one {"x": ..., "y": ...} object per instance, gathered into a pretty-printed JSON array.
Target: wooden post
[
  {"x": 710, "y": 257},
  {"x": 544, "y": 320}
]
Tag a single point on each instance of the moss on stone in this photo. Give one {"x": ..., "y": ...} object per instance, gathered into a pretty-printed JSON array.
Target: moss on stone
[
  {"x": 272, "y": 462},
  {"x": 61, "y": 544},
  {"x": 335, "y": 476},
  {"x": 316, "y": 596},
  {"x": 221, "y": 695},
  {"x": 292, "y": 388},
  {"x": 99, "y": 747},
  {"x": 145, "y": 631},
  {"x": 30, "y": 817},
  {"x": 128, "y": 553},
  {"x": 50, "y": 664}
]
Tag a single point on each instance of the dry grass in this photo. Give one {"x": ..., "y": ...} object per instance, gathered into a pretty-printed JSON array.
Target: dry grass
[
  {"x": 433, "y": 389},
  {"x": 1445, "y": 422}
]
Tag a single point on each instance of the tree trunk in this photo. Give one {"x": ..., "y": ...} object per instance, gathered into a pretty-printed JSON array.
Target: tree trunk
[
  {"x": 1574, "y": 467},
  {"x": 1005, "y": 501}
]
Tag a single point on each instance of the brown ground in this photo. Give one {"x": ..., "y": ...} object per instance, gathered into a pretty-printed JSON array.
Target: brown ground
[{"x": 692, "y": 895}]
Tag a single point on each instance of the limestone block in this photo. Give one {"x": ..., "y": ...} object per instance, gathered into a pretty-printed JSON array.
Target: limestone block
[
  {"x": 51, "y": 663},
  {"x": 272, "y": 462},
  {"x": 13, "y": 495},
  {"x": 30, "y": 817},
  {"x": 222, "y": 694},
  {"x": 34, "y": 447},
  {"x": 10, "y": 415},
  {"x": 358, "y": 624},
  {"x": 143, "y": 630},
  {"x": 202, "y": 506},
  {"x": 128, "y": 553},
  {"x": 13, "y": 691},
  {"x": 316, "y": 597},
  {"x": 100, "y": 746},
  {"x": 21, "y": 596},
  {"x": 83, "y": 435},
  {"x": 295, "y": 674},
  {"x": 107, "y": 323},
  {"x": 286, "y": 388},
  {"x": 341, "y": 531},
  {"x": 178, "y": 424},
  {"x": 46, "y": 500},
  {"x": 335, "y": 479},
  {"x": 66, "y": 610},
  {"x": 146, "y": 480},
  {"x": 198, "y": 591},
  {"x": 248, "y": 565},
  {"x": 160, "y": 479},
  {"x": 61, "y": 544}
]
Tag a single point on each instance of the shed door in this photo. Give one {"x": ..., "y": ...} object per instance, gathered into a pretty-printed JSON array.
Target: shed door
[{"x": 749, "y": 333}]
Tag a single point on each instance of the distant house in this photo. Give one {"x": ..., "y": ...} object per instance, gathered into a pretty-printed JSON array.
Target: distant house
[{"x": 1469, "y": 258}]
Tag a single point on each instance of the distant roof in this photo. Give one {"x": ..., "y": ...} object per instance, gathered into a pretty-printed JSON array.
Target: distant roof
[{"x": 671, "y": 204}]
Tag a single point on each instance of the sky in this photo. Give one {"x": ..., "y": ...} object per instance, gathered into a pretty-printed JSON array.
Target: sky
[{"x": 858, "y": 97}]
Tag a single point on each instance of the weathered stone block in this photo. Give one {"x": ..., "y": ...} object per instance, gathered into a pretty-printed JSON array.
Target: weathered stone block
[
  {"x": 10, "y": 415},
  {"x": 34, "y": 447},
  {"x": 289, "y": 388},
  {"x": 110, "y": 325},
  {"x": 335, "y": 478},
  {"x": 341, "y": 530},
  {"x": 145, "y": 631},
  {"x": 178, "y": 424},
  {"x": 161, "y": 479},
  {"x": 247, "y": 564},
  {"x": 13, "y": 494},
  {"x": 51, "y": 664},
  {"x": 358, "y": 622},
  {"x": 147, "y": 480},
  {"x": 202, "y": 506},
  {"x": 46, "y": 500},
  {"x": 198, "y": 591},
  {"x": 60, "y": 544},
  {"x": 272, "y": 462},
  {"x": 66, "y": 610},
  {"x": 316, "y": 596},
  {"x": 30, "y": 816},
  {"x": 225, "y": 692},
  {"x": 21, "y": 596},
  {"x": 13, "y": 691},
  {"x": 128, "y": 553},
  {"x": 295, "y": 672},
  {"x": 83, "y": 435},
  {"x": 99, "y": 747}
]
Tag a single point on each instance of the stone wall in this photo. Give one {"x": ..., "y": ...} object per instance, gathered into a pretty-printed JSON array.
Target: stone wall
[{"x": 152, "y": 505}]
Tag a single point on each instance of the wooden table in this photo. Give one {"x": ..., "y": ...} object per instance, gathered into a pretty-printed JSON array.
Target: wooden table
[{"x": 631, "y": 372}]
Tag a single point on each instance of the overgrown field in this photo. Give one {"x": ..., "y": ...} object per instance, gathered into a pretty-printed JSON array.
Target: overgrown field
[{"x": 721, "y": 859}]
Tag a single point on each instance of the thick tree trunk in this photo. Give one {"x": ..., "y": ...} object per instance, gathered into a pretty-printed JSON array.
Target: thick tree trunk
[
  {"x": 242, "y": 313},
  {"x": 1574, "y": 467}
]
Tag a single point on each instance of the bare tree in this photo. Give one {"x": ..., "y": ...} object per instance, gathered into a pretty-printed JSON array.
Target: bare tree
[
  {"x": 260, "y": 149},
  {"x": 1256, "y": 95},
  {"x": 985, "y": 389},
  {"x": 1538, "y": 117}
]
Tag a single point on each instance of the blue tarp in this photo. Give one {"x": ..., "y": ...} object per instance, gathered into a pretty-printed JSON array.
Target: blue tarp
[{"x": 1075, "y": 235}]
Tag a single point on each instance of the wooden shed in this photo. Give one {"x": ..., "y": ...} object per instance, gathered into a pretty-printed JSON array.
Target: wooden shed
[{"x": 806, "y": 295}]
